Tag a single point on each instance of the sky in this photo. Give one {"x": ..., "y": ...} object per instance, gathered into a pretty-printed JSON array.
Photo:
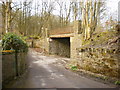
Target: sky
[{"x": 112, "y": 7}]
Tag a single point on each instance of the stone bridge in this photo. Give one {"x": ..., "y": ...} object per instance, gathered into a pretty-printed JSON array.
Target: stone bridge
[
  {"x": 64, "y": 41},
  {"x": 67, "y": 42}
]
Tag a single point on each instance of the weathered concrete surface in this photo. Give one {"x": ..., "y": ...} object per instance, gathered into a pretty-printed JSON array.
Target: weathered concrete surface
[{"x": 48, "y": 72}]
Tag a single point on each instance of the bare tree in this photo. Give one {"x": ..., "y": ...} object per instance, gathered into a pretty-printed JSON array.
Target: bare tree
[
  {"x": 61, "y": 11},
  {"x": 75, "y": 10},
  {"x": 68, "y": 12},
  {"x": 90, "y": 14},
  {"x": 6, "y": 14}
]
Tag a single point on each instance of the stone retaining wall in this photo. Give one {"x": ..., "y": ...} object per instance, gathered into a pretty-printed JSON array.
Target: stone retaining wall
[
  {"x": 39, "y": 43},
  {"x": 105, "y": 61},
  {"x": 9, "y": 66}
]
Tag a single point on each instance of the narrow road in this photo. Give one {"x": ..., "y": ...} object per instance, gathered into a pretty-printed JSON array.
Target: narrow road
[{"x": 43, "y": 72}]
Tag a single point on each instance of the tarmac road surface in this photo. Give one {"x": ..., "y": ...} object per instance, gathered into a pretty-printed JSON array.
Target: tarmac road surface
[{"x": 43, "y": 72}]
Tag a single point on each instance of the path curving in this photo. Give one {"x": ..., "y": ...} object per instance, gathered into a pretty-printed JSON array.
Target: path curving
[{"x": 43, "y": 72}]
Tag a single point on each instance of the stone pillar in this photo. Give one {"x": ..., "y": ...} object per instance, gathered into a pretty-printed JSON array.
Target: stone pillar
[
  {"x": 76, "y": 40},
  {"x": 46, "y": 41}
]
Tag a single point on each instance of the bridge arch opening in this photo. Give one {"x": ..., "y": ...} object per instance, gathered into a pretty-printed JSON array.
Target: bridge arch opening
[{"x": 60, "y": 46}]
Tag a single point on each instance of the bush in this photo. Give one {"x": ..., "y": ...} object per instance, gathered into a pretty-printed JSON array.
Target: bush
[
  {"x": 11, "y": 41},
  {"x": 117, "y": 82},
  {"x": 74, "y": 67}
]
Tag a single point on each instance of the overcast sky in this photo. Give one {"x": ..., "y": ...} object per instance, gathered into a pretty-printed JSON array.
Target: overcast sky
[{"x": 112, "y": 7}]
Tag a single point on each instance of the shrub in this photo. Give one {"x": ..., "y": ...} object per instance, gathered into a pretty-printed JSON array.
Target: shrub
[
  {"x": 74, "y": 67},
  {"x": 12, "y": 41},
  {"x": 117, "y": 82}
]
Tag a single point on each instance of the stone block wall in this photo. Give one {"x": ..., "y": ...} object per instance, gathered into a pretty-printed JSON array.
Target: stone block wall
[
  {"x": 75, "y": 42},
  {"x": 39, "y": 43},
  {"x": 22, "y": 62},
  {"x": 9, "y": 66},
  {"x": 105, "y": 61}
]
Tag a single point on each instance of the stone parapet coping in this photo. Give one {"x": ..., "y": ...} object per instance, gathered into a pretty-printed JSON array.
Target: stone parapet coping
[{"x": 62, "y": 35}]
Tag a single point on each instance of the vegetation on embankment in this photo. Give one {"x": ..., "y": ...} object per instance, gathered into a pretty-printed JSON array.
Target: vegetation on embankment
[
  {"x": 102, "y": 38},
  {"x": 99, "y": 56}
]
